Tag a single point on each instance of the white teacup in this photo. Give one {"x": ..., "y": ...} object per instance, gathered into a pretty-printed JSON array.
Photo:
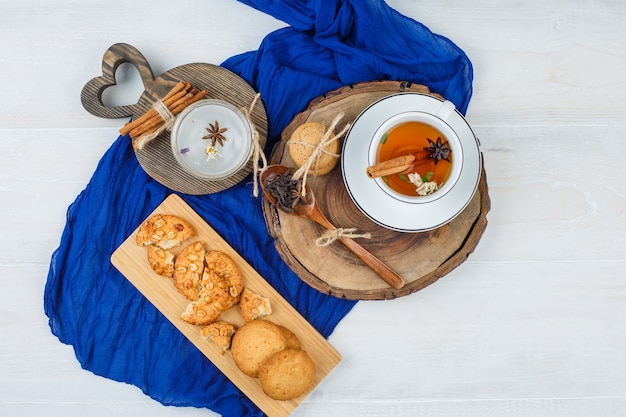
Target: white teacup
[
  {"x": 438, "y": 122},
  {"x": 395, "y": 210}
]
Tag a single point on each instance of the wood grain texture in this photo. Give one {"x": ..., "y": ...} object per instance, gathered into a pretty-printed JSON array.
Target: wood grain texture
[
  {"x": 157, "y": 158},
  {"x": 131, "y": 260},
  {"x": 420, "y": 258}
]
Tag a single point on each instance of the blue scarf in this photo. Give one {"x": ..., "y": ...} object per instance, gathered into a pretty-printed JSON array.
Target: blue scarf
[{"x": 114, "y": 330}]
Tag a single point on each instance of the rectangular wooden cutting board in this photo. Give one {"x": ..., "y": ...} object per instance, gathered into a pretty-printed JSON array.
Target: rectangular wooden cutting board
[{"x": 131, "y": 260}]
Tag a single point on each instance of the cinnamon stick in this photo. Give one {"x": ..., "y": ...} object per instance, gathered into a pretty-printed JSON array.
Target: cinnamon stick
[
  {"x": 178, "y": 98},
  {"x": 176, "y": 104},
  {"x": 154, "y": 119},
  {"x": 151, "y": 113},
  {"x": 196, "y": 97},
  {"x": 392, "y": 166}
]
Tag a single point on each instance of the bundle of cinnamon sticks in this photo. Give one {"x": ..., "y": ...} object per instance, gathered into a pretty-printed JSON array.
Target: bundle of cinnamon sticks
[{"x": 152, "y": 123}]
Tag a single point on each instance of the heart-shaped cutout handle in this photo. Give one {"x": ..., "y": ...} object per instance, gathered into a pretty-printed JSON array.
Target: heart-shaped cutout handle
[{"x": 116, "y": 55}]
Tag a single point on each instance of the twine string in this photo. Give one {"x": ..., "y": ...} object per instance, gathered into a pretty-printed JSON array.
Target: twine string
[
  {"x": 168, "y": 121},
  {"x": 259, "y": 161},
  {"x": 165, "y": 113},
  {"x": 319, "y": 150},
  {"x": 329, "y": 236}
]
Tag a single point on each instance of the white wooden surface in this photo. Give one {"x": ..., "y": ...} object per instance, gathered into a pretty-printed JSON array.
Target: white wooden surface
[{"x": 533, "y": 324}]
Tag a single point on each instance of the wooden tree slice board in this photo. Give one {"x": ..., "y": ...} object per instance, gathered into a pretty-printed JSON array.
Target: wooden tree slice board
[
  {"x": 156, "y": 158},
  {"x": 420, "y": 258},
  {"x": 131, "y": 260}
]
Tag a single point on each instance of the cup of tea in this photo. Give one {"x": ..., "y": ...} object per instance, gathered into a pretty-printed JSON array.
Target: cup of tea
[
  {"x": 428, "y": 146},
  {"x": 410, "y": 162}
]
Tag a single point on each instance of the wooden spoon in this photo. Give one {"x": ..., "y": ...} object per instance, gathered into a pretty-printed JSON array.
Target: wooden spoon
[{"x": 307, "y": 207}]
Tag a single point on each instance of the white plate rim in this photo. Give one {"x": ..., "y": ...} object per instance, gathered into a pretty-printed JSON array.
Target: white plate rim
[{"x": 395, "y": 214}]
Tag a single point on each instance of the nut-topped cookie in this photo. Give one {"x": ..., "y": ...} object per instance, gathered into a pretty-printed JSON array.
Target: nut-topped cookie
[
  {"x": 188, "y": 270},
  {"x": 161, "y": 261},
  {"x": 220, "y": 332},
  {"x": 254, "y": 306},
  {"x": 164, "y": 230},
  {"x": 219, "y": 289},
  {"x": 201, "y": 312},
  {"x": 221, "y": 280}
]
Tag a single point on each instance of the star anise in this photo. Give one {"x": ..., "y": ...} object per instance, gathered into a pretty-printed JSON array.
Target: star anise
[
  {"x": 215, "y": 133},
  {"x": 438, "y": 150}
]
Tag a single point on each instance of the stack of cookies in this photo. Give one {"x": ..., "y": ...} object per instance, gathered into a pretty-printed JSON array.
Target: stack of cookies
[
  {"x": 212, "y": 283},
  {"x": 272, "y": 353}
]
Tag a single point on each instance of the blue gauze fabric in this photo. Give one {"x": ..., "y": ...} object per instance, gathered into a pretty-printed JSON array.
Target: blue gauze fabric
[{"x": 114, "y": 330}]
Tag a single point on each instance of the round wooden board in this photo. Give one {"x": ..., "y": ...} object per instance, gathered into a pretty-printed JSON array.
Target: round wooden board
[
  {"x": 421, "y": 258},
  {"x": 156, "y": 158}
]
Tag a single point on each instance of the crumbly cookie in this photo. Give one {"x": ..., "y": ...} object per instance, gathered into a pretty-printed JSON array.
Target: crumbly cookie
[
  {"x": 201, "y": 312},
  {"x": 188, "y": 270},
  {"x": 161, "y": 261},
  {"x": 220, "y": 288},
  {"x": 164, "y": 230},
  {"x": 303, "y": 142},
  {"x": 254, "y": 343},
  {"x": 221, "y": 280},
  {"x": 220, "y": 333},
  {"x": 287, "y": 374},
  {"x": 254, "y": 306}
]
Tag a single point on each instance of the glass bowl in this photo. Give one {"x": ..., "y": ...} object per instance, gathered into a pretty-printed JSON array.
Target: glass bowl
[{"x": 202, "y": 156}]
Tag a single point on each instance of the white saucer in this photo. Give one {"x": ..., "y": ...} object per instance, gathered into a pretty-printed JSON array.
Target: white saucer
[{"x": 402, "y": 214}]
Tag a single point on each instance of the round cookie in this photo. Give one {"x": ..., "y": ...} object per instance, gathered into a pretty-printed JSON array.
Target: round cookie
[
  {"x": 303, "y": 142},
  {"x": 287, "y": 374},
  {"x": 254, "y": 343},
  {"x": 164, "y": 230},
  {"x": 292, "y": 340}
]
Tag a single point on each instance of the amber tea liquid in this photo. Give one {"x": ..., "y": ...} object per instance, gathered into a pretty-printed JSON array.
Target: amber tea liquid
[{"x": 411, "y": 138}]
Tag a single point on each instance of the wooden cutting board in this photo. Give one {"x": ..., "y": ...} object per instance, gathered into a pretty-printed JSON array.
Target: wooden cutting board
[
  {"x": 131, "y": 260},
  {"x": 420, "y": 258},
  {"x": 156, "y": 158}
]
